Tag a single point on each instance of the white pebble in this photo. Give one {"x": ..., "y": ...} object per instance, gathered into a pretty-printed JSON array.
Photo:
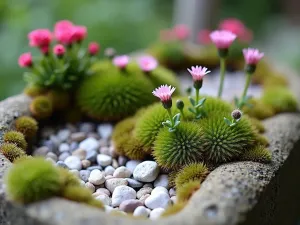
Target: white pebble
[
  {"x": 105, "y": 130},
  {"x": 156, "y": 213},
  {"x": 73, "y": 162},
  {"x": 112, "y": 183},
  {"x": 122, "y": 193},
  {"x": 104, "y": 199},
  {"x": 174, "y": 199},
  {"x": 122, "y": 172},
  {"x": 131, "y": 164},
  {"x": 141, "y": 211},
  {"x": 109, "y": 170},
  {"x": 159, "y": 200},
  {"x": 146, "y": 171},
  {"x": 89, "y": 144},
  {"x": 103, "y": 191},
  {"x": 162, "y": 181},
  {"x": 64, "y": 147},
  {"x": 172, "y": 192},
  {"x": 104, "y": 160},
  {"x": 159, "y": 189},
  {"x": 90, "y": 186},
  {"x": 96, "y": 177}
]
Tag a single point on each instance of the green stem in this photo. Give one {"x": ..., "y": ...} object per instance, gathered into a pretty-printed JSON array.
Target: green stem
[
  {"x": 170, "y": 116},
  {"x": 181, "y": 112},
  {"x": 248, "y": 79},
  {"x": 197, "y": 98},
  {"x": 222, "y": 76}
]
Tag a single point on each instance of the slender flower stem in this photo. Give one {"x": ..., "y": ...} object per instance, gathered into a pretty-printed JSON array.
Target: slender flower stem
[
  {"x": 182, "y": 114},
  {"x": 170, "y": 116},
  {"x": 222, "y": 76},
  {"x": 248, "y": 79},
  {"x": 197, "y": 98}
]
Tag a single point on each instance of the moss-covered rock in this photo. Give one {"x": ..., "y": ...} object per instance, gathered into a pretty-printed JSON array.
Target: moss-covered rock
[
  {"x": 257, "y": 154},
  {"x": 17, "y": 138}
]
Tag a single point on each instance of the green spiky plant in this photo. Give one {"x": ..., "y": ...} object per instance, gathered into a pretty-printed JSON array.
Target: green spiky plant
[
  {"x": 32, "y": 180},
  {"x": 173, "y": 209},
  {"x": 15, "y": 137},
  {"x": 185, "y": 192},
  {"x": 181, "y": 147},
  {"x": 41, "y": 107},
  {"x": 257, "y": 154},
  {"x": 11, "y": 151},
  {"x": 280, "y": 99},
  {"x": 257, "y": 124},
  {"x": 27, "y": 125},
  {"x": 191, "y": 172},
  {"x": 261, "y": 140}
]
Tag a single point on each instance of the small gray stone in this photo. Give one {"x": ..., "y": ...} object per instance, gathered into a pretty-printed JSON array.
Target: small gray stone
[
  {"x": 63, "y": 156},
  {"x": 156, "y": 213},
  {"x": 63, "y": 135},
  {"x": 159, "y": 189},
  {"x": 172, "y": 192},
  {"x": 47, "y": 131},
  {"x": 96, "y": 177},
  {"x": 115, "y": 163},
  {"x": 85, "y": 163},
  {"x": 90, "y": 186},
  {"x": 130, "y": 205},
  {"x": 148, "y": 185},
  {"x": 87, "y": 127},
  {"x": 49, "y": 144},
  {"x": 162, "y": 181},
  {"x": 91, "y": 156},
  {"x": 62, "y": 164},
  {"x": 112, "y": 183},
  {"x": 94, "y": 168},
  {"x": 143, "y": 191},
  {"x": 131, "y": 164},
  {"x": 71, "y": 127},
  {"x": 73, "y": 162},
  {"x": 108, "y": 177},
  {"x": 122, "y": 193},
  {"x": 73, "y": 146},
  {"x": 104, "y": 199},
  {"x": 51, "y": 155},
  {"x": 103, "y": 191},
  {"x": 93, "y": 135},
  {"x": 109, "y": 170},
  {"x": 84, "y": 175},
  {"x": 122, "y": 172},
  {"x": 105, "y": 130},
  {"x": 89, "y": 144},
  {"x": 174, "y": 199},
  {"x": 78, "y": 136},
  {"x": 81, "y": 153},
  {"x": 105, "y": 150},
  {"x": 122, "y": 161},
  {"x": 146, "y": 171},
  {"x": 75, "y": 172},
  {"x": 64, "y": 147},
  {"x": 141, "y": 211},
  {"x": 104, "y": 160},
  {"x": 143, "y": 198},
  {"x": 158, "y": 200},
  {"x": 41, "y": 151},
  {"x": 134, "y": 183},
  {"x": 55, "y": 142}
]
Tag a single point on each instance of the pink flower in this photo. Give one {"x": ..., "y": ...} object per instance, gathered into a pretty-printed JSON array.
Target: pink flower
[
  {"x": 93, "y": 48},
  {"x": 252, "y": 56},
  {"x": 64, "y": 32},
  {"x": 203, "y": 37},
  {"x": 121, "y": 61},
  {"x": 45, "y": 50},
  {"x": 147, "y": 63},
  {"x": 164, "y": 92},
  {"x": 40, "y": 38},
  {"x": 181, "y": 31},
  {"x": 59, "y": 50},
  {"x": 222, "y": 38},
  {"x": 80, "y": 33},
  {"x": 166, "y": 35},
  {"x": 198, "y": 72},
  {"x": 25, "y": 60}
]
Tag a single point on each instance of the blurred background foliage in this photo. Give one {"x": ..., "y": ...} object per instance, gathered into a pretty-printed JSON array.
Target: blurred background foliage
[{"x": 126, "y": 25}]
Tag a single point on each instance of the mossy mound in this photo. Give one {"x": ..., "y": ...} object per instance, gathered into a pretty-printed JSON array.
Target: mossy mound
[
  {"x": 185, "y": 192},
  {"x": 223, "y": 143},
  {"x": 27, "y": 125},
  {"x": 181, "y": 147},
  {"x": 280, "y": 99},
  {"x": 259, "y": 109},
  {"x": 60, "y": 99},
  {"x": 12, "y": 152},
  {"x": 257, "y": 154},
  {"x": 17, "y": 138},
  {"x": 257, "y": 124},
  {"x": 133, "y": 149},
  {"x": 173, "y": 209},
  {"x": 68, "y": 178},
  {"x": 274, "y": 80},
  {"x": 41, "y": 107},
  {"x": 115, "y": 94},
  {"x": 191, "y": 172},
  {"x": 32, "y": 180},
  {"x": 34, "y": 91}
]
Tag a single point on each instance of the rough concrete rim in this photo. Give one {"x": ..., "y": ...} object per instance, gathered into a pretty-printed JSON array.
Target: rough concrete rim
[{"x": 225, "y": 197}]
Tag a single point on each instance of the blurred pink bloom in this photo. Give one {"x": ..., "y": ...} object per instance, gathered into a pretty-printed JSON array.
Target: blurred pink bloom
[
  {"x": 252, "y": 56},
  {"x": 45, "y": 50},
  {"x": 247, "y": 36},
  {"x": 164, "y": 92},
  {"x": 40, "y": 38},
  {"x": 181, "y": 31},
  {"x": 167, "y": 35},
  {"x": 203, "y": 37},
  {"x": 93, "y": 48},
  {"x": 80, "y": 33},
  {"x": 222, "y": 38},
  {"x": 25, "y": 60},
  {"x": 147, "y": 63},
  {"x": 64, "y": 32},
  {"x": 59, "y": 50},
  {"x": 198, "y": 72},
  {"x": 121, "y": 61}
]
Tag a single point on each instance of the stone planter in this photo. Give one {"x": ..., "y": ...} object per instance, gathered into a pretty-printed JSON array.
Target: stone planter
[{"x": 234, "y": 193}]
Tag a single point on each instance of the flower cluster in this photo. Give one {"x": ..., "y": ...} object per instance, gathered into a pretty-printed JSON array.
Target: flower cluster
[{"x": 62, "y": 66}]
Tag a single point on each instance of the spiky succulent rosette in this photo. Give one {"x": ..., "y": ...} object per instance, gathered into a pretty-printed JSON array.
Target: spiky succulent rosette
[
  {"x": 258, "y": 109},
  {"x": 257, "y": 154},
  {"x": 223, "y": 143},
  {"x": 11, "y": 151},
  {"x": 115, "y": 94},
  {"x": 41, "y": 107},
  {"x": 16, "y": 138},
  {"x": 175, "y": 149}
]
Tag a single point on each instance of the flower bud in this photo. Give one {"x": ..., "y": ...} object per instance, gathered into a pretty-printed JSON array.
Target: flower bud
[
  {"x": 93, "y": 48},
  {"x": 236, "y": 114},
  {"x": 59, "y": 50},
  {"x": 179, "y": 104}
]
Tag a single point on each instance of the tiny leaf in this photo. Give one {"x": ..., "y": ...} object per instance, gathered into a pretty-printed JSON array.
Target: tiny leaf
[
  {"x": 227, "y": 121},
  {"x": 193, "y": 102},
  {"x": 192, "y": 110}
]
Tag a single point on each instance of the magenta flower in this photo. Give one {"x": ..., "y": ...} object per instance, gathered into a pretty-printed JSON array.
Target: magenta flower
[
  {"x": 59, "y": 50},
  {"x": 40, "y": 38},
  {"x": 222, "y": 38},
  {"x": 147, "y": 63},
  {"x": 252, "y": 56},
  {"x": 80, "y": 33},
  {"x": 121, "y": 61},
  {"x": 203, "y": 37},
  {"x": 198, "y": 72},
  {"x": 181, "y": 31},
  {"x": 64, "y": 32},
  {"x": 164, "y": 92},
  {"x": 25, "y": 60},
  {"x": 93, "y": 48}
]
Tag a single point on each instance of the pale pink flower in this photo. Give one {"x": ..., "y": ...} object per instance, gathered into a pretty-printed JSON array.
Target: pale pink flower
[
  {"x": 64, "y": 32},
  {"x": 164, "y": 92},
  {"x": 181, "y": 31},
  {"x": 222, "y": 38},
  {"x": 121, "y": 61},
  {"x": 237, "y": 27},
  {"x": 203, "y": 37},
  {"x": 198, "y": 72},
  {"x": 25, "y": 60},
  {"x": 80, "y": 33},
  {"x": 147, "y": 63},
  {"x": 93, "y": 48},
  {"x": 167, "y": 35},
  {"x": 252, "y": 55},
  {"x": 59, "y": 50},
  {"x": 40, "y": 38}
]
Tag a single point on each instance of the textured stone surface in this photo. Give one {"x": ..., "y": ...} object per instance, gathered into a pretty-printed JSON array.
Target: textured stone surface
[{"x": 235, "y": 192}]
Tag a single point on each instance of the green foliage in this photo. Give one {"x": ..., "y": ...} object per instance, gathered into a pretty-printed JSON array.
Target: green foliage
[
  {"x": 280, "y": 99},
  {"x": 191, "y": 172},
  {"x": 258, "y": 109},
  {"x": 16, "y": 138},
  {"x": 173, "y": 209},
  {"x": 32, "y": 180},
  {"x": 34, "y": 91},
  {"x": 41, "y": 107},
  {"x": 257, "y": 154},
  {"x": 185, "y": 192},
  {"x": 181, "y": 147},
  {"x": 27, "y": 125},
  {"x": 11, "y": 151},
  {"x": 115, "y": 94},
  {"x": 223, "y": 143}
]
